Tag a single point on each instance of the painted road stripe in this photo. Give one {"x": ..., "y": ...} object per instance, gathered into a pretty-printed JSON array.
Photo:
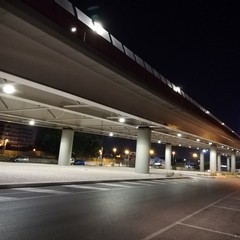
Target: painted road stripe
[
  {"x": 210, "y": 230},
  {"x": 6, "y": 199},
  {"x": 40, "y": 190},
  {"x": 136, "y": 183},
  {"x": 87, "y": 187},
  {"x": 114, "y": 185},
  {"x": 180, "y": 221}
]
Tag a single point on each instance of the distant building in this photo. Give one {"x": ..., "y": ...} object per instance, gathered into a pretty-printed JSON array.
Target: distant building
[{"x": 16, "y": 136}]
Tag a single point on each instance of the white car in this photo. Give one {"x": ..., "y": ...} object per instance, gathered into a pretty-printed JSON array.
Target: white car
[
  {"x": 21, "y": 159},
  {"x": 157, "y": 162}
]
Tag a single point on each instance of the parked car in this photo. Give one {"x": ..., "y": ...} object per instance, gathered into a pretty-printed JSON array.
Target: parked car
[
  {"x": 157, "y": 162},
  {"x": 21, "y": 159},
  {"x": 79, "y": 162},
  {"x": 190, "y": 165}
]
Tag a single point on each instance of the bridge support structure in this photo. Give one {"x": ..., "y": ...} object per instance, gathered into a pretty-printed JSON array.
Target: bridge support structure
[
  {"x": 143, "y": 150},
  {"x": 66, "y": 144},
  {"x": 233, "y": 162},
  {"x": 202, "y": 161},
  {"x": 213, "y": 159},
  {"x": 168, "y": 156}
]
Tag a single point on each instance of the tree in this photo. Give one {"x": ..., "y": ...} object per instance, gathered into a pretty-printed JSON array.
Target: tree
[
  {"x": 48, "y": 140},
  {"x": 86, "y": 145}
]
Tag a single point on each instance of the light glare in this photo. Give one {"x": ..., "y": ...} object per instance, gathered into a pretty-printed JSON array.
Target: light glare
[
  {"x": 121, "y": 120},
  {"x": 73, "y": 29},
  {"x": 97, "y": 27},
  {"x": 9, "y": 89},
  {"x": 31, "y": 122}
]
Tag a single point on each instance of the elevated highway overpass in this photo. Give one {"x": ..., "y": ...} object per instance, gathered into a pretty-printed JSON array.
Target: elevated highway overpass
[{"x": 68, "y": 76}]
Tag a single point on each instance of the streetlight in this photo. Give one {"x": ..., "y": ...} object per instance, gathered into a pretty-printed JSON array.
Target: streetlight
[
  {"x": 173, "y": 155},
  {"x": 151, "y": 152},
  {"x": 127, "y": 153},
  {"x": 101, "y": 156},
  {"x": 195, "y": 155},
  {"x": 5, "y": 145},
  {"x": 114, "y": 155}
]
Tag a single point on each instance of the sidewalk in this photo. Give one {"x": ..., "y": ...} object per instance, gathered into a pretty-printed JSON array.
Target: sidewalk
[{"x": 32, "y": 174}]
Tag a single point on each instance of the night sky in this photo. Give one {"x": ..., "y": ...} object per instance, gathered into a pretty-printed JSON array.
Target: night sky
[{"x": 195, "y": 44}]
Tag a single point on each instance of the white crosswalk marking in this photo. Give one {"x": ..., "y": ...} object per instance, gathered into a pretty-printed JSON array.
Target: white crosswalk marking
[
  {"x": 146, "y": 182},
  {"x": 100, "y": 186},
  {"x": 87, "y": 187},
  {"x": 40, "y": 190},
  {"x": 6, "y": 199},
  {"x": 159, "y": 182},
  {"x": 136, "y": 183},
  {"x": 114, "y": 185}
]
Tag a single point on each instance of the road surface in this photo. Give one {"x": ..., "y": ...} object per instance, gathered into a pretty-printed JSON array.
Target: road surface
[{"x": 195, "y": 208}]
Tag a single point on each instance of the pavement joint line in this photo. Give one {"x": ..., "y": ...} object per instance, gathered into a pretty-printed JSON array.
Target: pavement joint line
[{"x": 155, "y": 234}]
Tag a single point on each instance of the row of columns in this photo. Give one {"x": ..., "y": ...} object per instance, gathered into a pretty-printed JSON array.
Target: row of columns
[
  {"x": 142, "y": 153},
  {"x": 143, "y": 149}
]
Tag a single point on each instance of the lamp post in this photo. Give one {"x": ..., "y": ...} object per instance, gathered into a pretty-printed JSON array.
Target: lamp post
[
  {"x": 195, "y": 155},
  {"x": 101, "y": 156},
  {"x": 127, "y": 154},
  {"x": 173, "y": 155},
  {"x": 114, "y": 155},
  {"x": 5, "y": 145},
  {"x": 151, "y": 152}
]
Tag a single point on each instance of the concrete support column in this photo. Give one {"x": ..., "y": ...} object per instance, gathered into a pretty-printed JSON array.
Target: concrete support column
[
  {"x": 219, "y": 162},
  {"x": 143, "y": 150},
  {"x": 228, "y": 163},
  {"x": 202, "y": 161},
  {"x": 168, "y": 156},
  {"x": 233, "y": 162},
  {"x": 65, "y": 151},
  {"x": 213, "y": 159}
]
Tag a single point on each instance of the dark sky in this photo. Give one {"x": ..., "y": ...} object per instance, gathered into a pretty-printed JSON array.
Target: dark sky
[{"x": 195, "y": 44}]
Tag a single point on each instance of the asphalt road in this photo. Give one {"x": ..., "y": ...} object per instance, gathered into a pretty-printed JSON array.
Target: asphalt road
[{"x": 195, "y": 208}]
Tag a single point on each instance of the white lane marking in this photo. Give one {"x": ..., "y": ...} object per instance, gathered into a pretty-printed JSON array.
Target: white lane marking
[
  {"x": 210, "y": 230},
  {"x": 159, "y": 182},
  {"x": 6, "y": 199},
  {"x": 232, "y": 209},
  {"x": 155, "y": 234},
  {"x": 86, "y": 187},
  {"x": 114, "y": 185},
  {"x": 146, "y": 182},
  {"x": 154, "y": 182},
  {"x": 40, "y": 190},
  {"x": 136, "y": 183}
]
